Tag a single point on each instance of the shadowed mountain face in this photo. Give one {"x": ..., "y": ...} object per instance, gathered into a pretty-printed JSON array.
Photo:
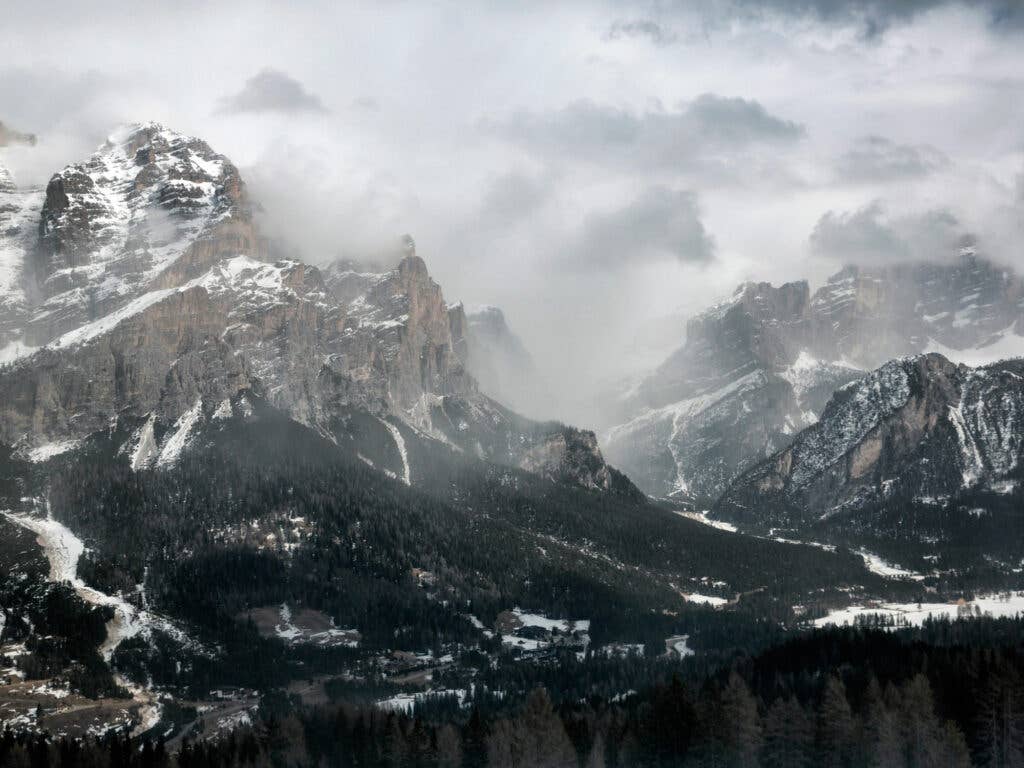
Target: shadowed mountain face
[
  {"x": 141, "y": 289},
  {"x": 921, "y": 427},
  {"x": 759, "y": 367}
]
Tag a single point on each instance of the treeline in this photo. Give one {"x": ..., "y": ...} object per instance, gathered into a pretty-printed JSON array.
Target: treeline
[{"x": 949, "y": 694}]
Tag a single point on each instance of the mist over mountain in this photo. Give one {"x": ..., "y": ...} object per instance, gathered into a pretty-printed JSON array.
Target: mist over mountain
[{"x": 590, "y": 384}]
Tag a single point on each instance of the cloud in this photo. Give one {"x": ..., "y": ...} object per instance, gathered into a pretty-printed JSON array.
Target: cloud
[
  {"x": 272, "y": 91},
  {"x": 872, "y": 17},
  {"x": 511, "y": 198},
  {"x": 690, "y": 136},
  {"x": 9, "y": 136},
  {"x": 647, "y": 29},
  {"x": 870, "y": 236},
  {"x": 661, "y": 224},
  {"x": 875, "y": 158}
]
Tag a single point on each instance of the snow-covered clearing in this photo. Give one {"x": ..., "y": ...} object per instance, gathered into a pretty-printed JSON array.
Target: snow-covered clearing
[
  {"x": 914, "y": 614},
  {"x": 406, "y": 702}
]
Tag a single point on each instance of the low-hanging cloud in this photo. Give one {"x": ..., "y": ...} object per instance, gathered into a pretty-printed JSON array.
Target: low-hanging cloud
[
  {"x": 271, "y": 90},
  {"x": 687, "y": 137},
  {"x": 660, "y": 224},
  {"x": 870, "y": 236},
  {"x": 876, "y": 158}
]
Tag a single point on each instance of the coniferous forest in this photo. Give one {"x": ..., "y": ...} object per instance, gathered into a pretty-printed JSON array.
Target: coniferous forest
[{"x": 947, "y": 694}]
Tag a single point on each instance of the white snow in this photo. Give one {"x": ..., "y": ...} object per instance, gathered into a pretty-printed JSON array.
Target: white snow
[
  {"x": 49, "y": 450},
  {"x": 406, "y": 702},
  {"x": 702, "y": 517},
  {"x": 679, "y": 645},
  {"x": 876, "y": 564},
  {"x": 145, "y": 449},
  {"x": 973, "y": 465},
  {"x": 710, "y": 600},
  {"x": 400, "y": 444},
  {"x": 175, "y": 444},
  {"x": 914, "y": 614},
  {"x": 286, "y": 630},
  {"x": 562, "y": 625}
]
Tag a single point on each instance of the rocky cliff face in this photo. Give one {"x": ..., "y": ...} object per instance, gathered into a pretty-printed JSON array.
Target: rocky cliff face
[
  {"x": 156, "y": 306},
  {"x": 759, "y": 367},
  {"x": 739, "y": 389},
  {"x": 919, "y": 428},
  {"x": 151, "y": 209},
  {"x": 970, "y": 306}
]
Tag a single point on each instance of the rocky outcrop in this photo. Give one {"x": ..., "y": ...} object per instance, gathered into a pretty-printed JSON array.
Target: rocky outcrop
[{"x": 917, "y": 428}]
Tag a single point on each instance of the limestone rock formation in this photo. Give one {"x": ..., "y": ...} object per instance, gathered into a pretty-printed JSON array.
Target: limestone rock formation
[
  {"x": 150, "y": 299},
  {"x": 759, "y": 367},
  {"x": 918, "y": 429}
]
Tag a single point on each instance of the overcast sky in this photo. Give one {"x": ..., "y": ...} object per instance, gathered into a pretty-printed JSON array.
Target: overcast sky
[{"x": 589, "y": 167}]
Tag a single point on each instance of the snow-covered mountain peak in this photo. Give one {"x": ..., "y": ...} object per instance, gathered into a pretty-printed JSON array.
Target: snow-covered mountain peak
[{"x": 115, "y": 225}]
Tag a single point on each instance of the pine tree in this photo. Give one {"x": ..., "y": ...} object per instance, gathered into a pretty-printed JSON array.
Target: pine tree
[
  {"x": 788, "y": 736},
  {"x": 880, "y": 739},
  {"x": 741, "y": 724},
  {"x": 835, "y": 728}
]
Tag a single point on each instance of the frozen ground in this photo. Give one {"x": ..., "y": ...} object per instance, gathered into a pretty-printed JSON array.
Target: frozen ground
[{"x": 913, "y": 614}]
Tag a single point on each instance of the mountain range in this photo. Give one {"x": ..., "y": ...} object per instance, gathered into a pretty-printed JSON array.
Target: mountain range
[
  {"x": 759, "y": 367},
  {"x": 225, "y": 470}
]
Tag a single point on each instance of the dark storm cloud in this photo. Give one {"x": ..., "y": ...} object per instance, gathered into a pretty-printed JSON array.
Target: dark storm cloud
[
  {"x": 869, "y": 236},
  {"x": 645, "y": 29},
  {"x": 660, "y": 224},
  {"x": 272, "y": 91},
  {"x": 686, "y": 137},
  {"x": 875, "y": 158},
  {"x": 874, "y": 17}
]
